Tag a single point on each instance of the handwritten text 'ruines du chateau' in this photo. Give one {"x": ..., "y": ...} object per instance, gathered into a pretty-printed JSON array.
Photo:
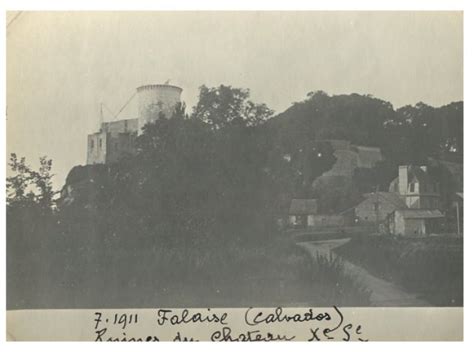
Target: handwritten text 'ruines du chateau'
[{"x": 221, "y": 325}]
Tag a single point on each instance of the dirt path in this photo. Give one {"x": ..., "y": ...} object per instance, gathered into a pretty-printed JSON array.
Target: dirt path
[{"x": 383, "y": 293}]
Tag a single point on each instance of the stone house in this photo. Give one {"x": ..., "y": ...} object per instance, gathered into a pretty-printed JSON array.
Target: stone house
[
  {"x": 421, "y": 195},
  {"x": 416, "y": 187},
  {"x": 376, "y": 207}
]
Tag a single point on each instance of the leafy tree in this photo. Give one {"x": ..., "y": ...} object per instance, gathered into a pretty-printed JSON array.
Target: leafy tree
[
  {"x": 224, "y": 105},
  {"x": 27, "y": 186},
  {"x": 42, "y": 180},
  {"x": 18, "y": 183},
  {"x": 422, "y": 131},
  {"x": 180, "y": 111}
]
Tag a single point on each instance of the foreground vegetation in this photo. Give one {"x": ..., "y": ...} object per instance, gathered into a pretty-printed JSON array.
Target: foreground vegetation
[
  {"x": 431, "y": 267},
  {"x": 89, "y": 270}
]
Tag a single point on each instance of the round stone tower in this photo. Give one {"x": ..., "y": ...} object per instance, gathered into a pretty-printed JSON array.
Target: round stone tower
[{"x": 156, "y": 100}]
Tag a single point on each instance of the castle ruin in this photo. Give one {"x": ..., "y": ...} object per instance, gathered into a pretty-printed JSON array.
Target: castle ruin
[{"x": 116, "y": 139}]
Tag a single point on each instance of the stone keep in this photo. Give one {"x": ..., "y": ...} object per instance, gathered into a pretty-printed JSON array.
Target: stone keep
[
  {"x": 116, "y": 139},
  {"x": 155, "y": 100}
]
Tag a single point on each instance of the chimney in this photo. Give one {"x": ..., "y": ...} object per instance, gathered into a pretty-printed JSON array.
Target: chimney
[{"x": 403, "y": 179}]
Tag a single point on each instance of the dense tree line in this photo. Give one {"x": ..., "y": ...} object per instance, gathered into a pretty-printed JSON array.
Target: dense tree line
[{"x": 409, "y": 134}]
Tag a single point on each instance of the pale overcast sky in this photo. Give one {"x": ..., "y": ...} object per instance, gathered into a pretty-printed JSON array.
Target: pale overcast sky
[{"x": 60, "y": 66}]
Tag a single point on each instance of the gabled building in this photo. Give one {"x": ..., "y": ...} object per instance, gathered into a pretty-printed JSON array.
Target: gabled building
[
  {"x": 410, "y": 208},
  {"x": 421, "y": 195},
  {"x": 416, "y": 187}
]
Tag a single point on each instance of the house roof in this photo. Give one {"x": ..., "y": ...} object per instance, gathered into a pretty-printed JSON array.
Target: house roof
[
  {"x": 390, "y": 197},
  {"x": 394, "y": 198},
  {"x": 420, "y": 213},
  {"x": 303, "y": 207}
]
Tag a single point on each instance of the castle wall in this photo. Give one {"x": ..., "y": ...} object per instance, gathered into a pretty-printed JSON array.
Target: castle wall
[
  {"x": 97, "y": 148},
  {"x": 367, "y": 157},
  {"x": 120, "y": 126},
  {"x": 349, "y": 157},
  {"x": 346, "y": 163}
]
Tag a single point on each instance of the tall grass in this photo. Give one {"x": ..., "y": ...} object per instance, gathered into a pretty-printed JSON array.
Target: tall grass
[
  {"x": 58, "y": 270},
  {"x": 432, "y": 267}
]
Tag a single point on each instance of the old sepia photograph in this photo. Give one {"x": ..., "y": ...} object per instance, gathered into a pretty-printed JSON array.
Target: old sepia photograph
[{"x": 234, "y": 159}]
